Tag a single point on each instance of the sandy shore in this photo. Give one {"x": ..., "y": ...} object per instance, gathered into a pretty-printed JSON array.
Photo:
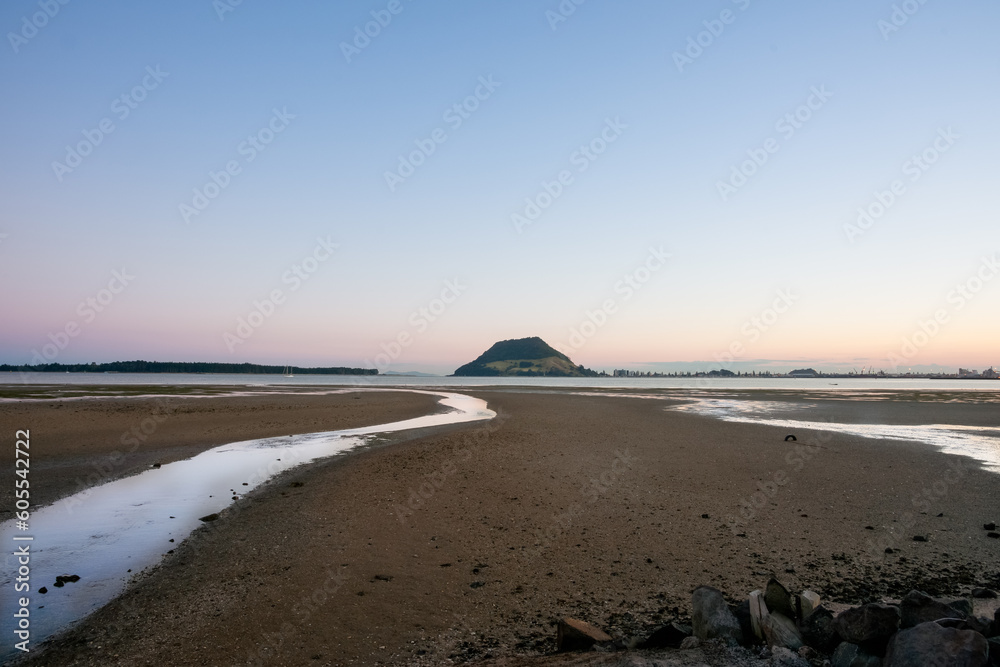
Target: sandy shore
[
  {"x": 81, "y": 442},
  {"x": 469, "y": 543}
]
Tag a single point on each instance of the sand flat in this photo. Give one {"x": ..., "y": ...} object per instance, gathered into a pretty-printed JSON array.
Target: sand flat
[{"x": 564, "y": 504}]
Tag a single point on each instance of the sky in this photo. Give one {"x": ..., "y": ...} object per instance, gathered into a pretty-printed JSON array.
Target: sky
[{"x": 398, "y": 184}]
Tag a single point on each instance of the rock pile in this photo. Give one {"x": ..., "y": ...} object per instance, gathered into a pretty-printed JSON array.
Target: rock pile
[{"x": 795, "y": 629}]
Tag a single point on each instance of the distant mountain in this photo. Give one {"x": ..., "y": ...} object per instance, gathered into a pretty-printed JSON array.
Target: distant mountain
[{"x": 523, "y": 357}]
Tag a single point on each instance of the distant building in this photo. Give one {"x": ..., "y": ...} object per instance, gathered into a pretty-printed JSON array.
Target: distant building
[
  {"x": 991, "y": 373},
  {"x": 966, "y": 373}
]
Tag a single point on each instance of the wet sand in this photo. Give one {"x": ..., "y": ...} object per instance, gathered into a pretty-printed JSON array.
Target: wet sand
[
  {"x": 81, "y": 442},
  {"x": 471, "y": 542}
]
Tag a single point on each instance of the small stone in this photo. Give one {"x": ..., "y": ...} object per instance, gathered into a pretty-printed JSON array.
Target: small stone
[
  {"x": 919, "y": 538},
  {"x": 989, "y": 526},
  {"x": 983, "y": 593},
  {"x": 43, "y": 590},
  {"x": 209, "y": 517},
  {"x": 574, "y": 635},
  {"x": 690, "y": 642}
]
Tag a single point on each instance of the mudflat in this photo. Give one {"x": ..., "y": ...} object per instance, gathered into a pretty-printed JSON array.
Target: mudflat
[
  {"x": 79, "y": 442},
  {"x": 469, "y": 543}
]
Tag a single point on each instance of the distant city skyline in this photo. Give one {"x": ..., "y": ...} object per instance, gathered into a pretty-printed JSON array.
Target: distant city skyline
[{"x": 399, "y": 185}]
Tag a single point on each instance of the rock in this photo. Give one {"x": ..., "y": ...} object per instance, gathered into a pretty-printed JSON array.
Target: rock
[
  {"x": 711, "y": 617},
  {"x": 790, "y": 438},
  {"x": 994, "y": 645},
  {"x": 805, "y": 603},
  {"x": 690, "y": 642},
  {"x": 43, "y": 590},
  {"x": 778, "y": 599},
  {"x": 989, "y": 526},
  {"x": 819, "y": 631},
  {"x": 209, "y": 517},
  {"x": 63, "y": 579},
  {"x": 780, "y": 631},
  {"x": 930, "y": 644},
  {"x": 668, "y": 636},
  {"x": 783, "y": 657},
  {"x": 742, "y": 614},
  {"x": 809, "y": 653},
  {"x": 961, "y": 605},
  {"x": 852, "y": 655},
  {"x": 574, "y": 635},
  {"x": 918, "y": 607},
  {"x": 867, "y": 623},
  {"x": 920, "y": 538},
  {"x": 983, "y": 593},
  {"x": 758, "y": 614},
  {"x": 980, "y": 625}
]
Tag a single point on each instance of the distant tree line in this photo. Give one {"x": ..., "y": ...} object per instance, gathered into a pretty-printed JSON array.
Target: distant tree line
[{"x": 183, "y": 367}]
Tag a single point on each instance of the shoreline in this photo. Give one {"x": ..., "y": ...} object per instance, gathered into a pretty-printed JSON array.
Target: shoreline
[
  {"x": 414, "y": 578},
  {"x": 83, "y": 441}
]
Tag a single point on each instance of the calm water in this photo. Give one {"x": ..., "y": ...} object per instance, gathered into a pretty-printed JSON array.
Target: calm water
[
  {"x": 805, "y": 384},
  {"x": 104, "y": 533}
]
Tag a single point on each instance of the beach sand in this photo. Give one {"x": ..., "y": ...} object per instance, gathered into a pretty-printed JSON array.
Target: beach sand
[
  {"x": 80, "y": 442},
  {"x": 602, "y": 508}
]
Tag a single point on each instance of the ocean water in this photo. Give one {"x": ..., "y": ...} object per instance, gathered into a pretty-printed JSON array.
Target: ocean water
[
  {"x": 802, "y": 384},
  {"x": 977, "y": 442}
]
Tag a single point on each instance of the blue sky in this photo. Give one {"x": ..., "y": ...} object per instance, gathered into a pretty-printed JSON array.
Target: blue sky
[{"x": 873, "y": 86}]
